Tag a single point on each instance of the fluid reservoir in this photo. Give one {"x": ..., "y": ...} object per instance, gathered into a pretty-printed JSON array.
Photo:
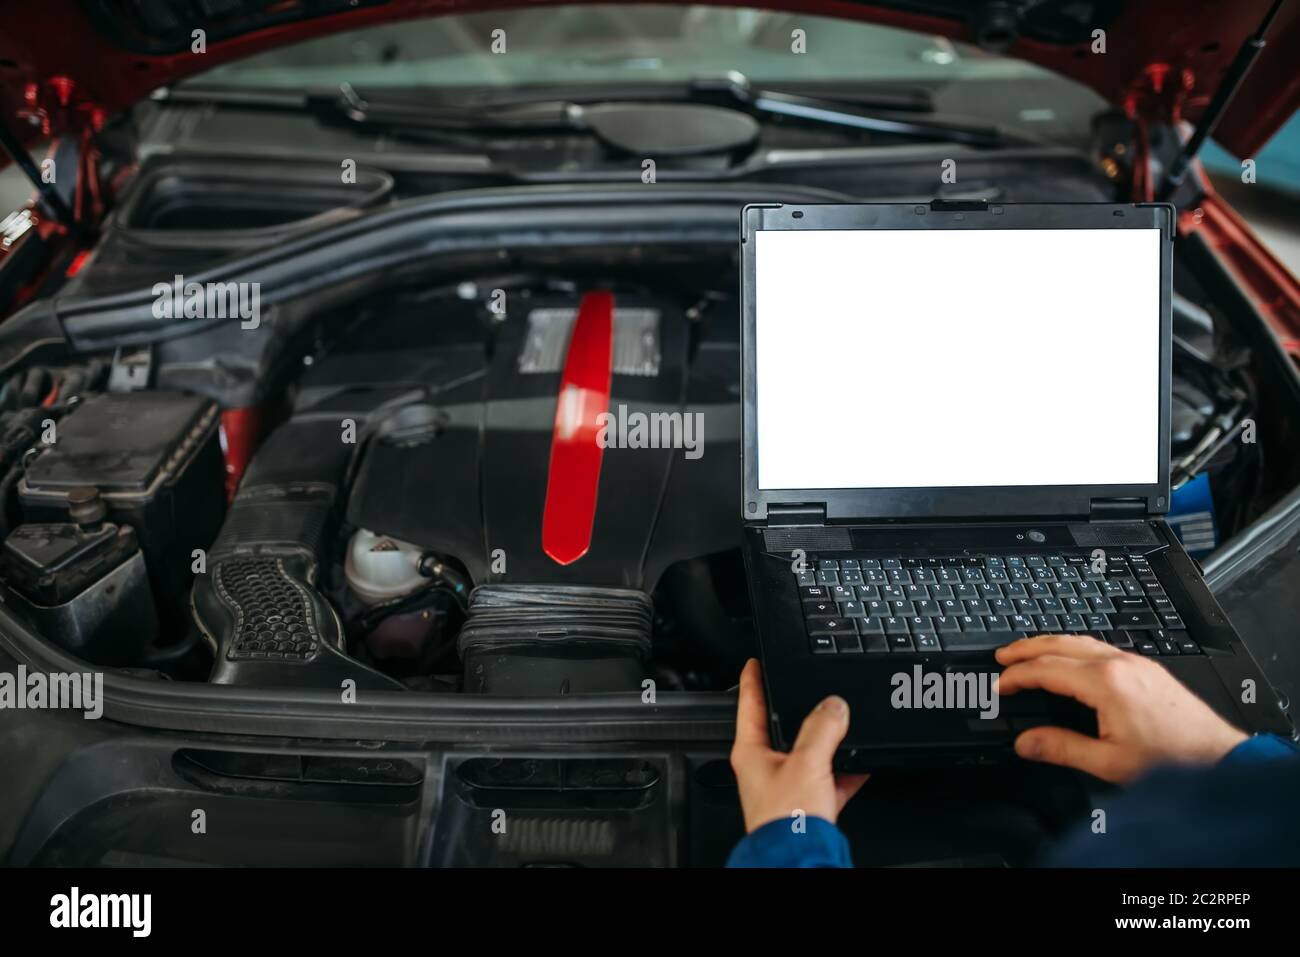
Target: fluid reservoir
[
  {"x": 380, "y": 568},
  {"x": 82, "y": 583}
]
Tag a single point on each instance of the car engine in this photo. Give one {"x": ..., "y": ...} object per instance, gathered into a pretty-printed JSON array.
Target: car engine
[{"x": 402, "y": 522}]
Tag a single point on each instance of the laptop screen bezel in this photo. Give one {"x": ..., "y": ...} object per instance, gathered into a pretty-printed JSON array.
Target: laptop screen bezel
[{"x": 962, "y": 502}]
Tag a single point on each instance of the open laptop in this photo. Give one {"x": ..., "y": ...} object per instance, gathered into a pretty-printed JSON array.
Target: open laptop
[{"x": 956, "y": 433}]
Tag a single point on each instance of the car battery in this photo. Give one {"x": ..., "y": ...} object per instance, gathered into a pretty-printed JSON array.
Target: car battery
[{"x": 155, "y": 460}]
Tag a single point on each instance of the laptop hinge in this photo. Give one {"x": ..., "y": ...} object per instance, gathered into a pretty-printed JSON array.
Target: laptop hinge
[
  {"x": 796, "y": 515},
  {"x": 1117, "y": 509}
]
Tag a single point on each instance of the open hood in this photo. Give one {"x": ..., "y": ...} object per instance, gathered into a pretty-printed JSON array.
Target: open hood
[{"x": 72, "y": 64}]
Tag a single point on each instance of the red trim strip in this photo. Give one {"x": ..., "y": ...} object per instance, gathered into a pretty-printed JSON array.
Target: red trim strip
[
  {"x": 241, "y": 430},
  {"x": 573, "y": 480}
]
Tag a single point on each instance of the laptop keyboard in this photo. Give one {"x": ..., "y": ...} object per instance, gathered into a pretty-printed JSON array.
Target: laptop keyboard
[{"x": 978, "y": 603}]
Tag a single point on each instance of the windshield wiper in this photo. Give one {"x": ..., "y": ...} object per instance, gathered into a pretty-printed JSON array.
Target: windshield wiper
[
  {"x": 547, "y": 116},
  {"x": 347, "y": 106},
  {"x": 735, "y": 89}
]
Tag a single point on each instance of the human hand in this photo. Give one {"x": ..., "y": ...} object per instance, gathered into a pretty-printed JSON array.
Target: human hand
[
  {"x": 1145, "y": 716},
  {"x": 775, "y": 785}
]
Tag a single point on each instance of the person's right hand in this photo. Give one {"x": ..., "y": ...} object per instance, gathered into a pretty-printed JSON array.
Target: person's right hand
[{"x": 1145, "y": 716}]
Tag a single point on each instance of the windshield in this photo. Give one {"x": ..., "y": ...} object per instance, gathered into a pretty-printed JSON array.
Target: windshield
[{"x": 594, "y": 45}]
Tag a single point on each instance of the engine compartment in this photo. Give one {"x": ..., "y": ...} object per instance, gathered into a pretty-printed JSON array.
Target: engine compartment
[{"x": 388, "y": 531}]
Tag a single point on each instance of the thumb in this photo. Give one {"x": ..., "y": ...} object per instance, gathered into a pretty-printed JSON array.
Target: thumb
[
  {"x": 822, "y": 731},
  {"x": 1071, "y": 749}
]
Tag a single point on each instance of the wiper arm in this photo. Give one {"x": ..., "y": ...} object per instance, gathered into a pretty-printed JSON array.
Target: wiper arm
[
  {"x": 538, "y": 117},
  {"x": 348, "y": 106},
  {"x": 734, "y": 89}
]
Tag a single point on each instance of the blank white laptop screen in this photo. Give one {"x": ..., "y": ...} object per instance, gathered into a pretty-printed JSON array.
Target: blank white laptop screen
[{"x": 955, "y": 358}]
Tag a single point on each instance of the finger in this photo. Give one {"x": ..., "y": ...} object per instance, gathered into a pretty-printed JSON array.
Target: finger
[
  {"x": 1072, "y": 750},
  {"x": 847, "y": 785},
  {"x": 822, "y": 731},
  {"x": 1064, "y": 676},
  {"x": 1067, "y": 646},
  {"x": 751, "y": 709}
]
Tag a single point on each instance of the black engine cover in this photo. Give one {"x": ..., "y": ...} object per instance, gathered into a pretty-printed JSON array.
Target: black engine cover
[{"x": 480, "y": 482}]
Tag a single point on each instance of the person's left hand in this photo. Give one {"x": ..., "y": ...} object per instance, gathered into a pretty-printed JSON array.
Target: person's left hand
[{"x": 775, "y": 785}]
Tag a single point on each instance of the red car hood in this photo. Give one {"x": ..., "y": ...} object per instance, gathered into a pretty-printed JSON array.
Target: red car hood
[{"x": 68, "y": 64}]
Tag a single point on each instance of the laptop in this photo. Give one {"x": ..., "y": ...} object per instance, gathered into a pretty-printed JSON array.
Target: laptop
[{"x": 956, "y": 433}]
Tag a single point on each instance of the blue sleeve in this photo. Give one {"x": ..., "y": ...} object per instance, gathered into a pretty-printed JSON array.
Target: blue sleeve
[
  {"x": 1238, "y": 813},
  {"x": 1261, "y": 747},
  {"x": 778, "y": 844}
]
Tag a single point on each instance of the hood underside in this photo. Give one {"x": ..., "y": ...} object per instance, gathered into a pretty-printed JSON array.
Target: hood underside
[{"x": 71, "y": 64}]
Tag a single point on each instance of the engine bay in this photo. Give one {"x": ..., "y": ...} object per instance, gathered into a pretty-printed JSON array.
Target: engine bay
[{"x": 383, "y": 517}]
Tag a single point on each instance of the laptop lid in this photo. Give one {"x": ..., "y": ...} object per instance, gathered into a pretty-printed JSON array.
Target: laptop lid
[{"x": 956, "y": 359}]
